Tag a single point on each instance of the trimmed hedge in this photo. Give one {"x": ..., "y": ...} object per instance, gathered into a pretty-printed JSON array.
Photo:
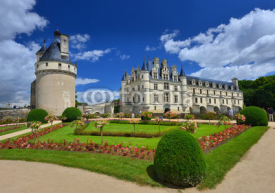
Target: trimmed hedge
[
  {"x": 179, "y": 159},
  {"x": 255, "y": 116},
  {"x": 147, "y": 123},
  {"x": 37, "y": 115},
  {"x": 72, "y": 113}
]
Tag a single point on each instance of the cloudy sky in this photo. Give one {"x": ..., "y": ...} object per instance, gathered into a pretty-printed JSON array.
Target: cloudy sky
[{"x": 212, "y": 39}]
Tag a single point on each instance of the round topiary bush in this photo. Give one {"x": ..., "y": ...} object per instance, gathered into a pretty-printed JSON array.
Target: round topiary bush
[
  {"x": 72, "y": 113},
  {"x": 254, "y": 116},
  {"x": 37, "y": 115},
  {"x": 179, "y": 159}
]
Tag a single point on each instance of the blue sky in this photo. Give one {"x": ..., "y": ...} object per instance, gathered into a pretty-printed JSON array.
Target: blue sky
[{"x": 212, "y": 39}]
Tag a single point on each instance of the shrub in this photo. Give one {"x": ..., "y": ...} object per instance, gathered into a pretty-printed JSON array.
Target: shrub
[
  {"x": 72, "y": 113},
  {"x": 255, "y": 116},
  {"x": 179, "y": 159},
  {"x": 190, "y": 126},
  {"x": 146, "y": 115},
  {"x": 37, "y": 115}
]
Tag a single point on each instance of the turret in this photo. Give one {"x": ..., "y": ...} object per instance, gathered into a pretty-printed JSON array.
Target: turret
[
  {"x": 235, "y": 82},
  {"x": 41, "y": 52}
]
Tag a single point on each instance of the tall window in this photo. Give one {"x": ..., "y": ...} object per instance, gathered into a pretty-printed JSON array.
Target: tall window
[
  {"x": 166, "y": 86},
  {"x": 166, "y": 97},
  {"x": 155, "y": 75},
  {"x": 238, "y": 94},
  {"x": 207, "y": 92},
  {"x": 201, "y": 100},
  {"x": 155, "y": 108},
  {"x": 226, "y": 101},
  {"x": 156, "y": 99},
  {"x": 138, "y": 87},
  {"x": 155, "y": 86},
  {"x": 46, "y": 64},
  {"x": 225, "y": 93},
  {"x": 176, "y": 99},
  {"x": 176, "y": 88},
  {"x": 215, "y": 101},
  {"x": 221, "y": 93},
  {"x": 175, "y": 78},
  {"x": 214, "y": 92},
  {"x": 238, "y": 102},
  {"x": 196, "y": 100},
  {"x": 200, "y": 91},
  {"x": 194, "y": 91},
  {"x": 138, "y": 98},
  {"x": 210, "y": 101}
]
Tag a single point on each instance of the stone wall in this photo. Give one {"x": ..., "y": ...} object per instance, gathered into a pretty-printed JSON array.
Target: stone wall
[{"x": 21, "y": 113}]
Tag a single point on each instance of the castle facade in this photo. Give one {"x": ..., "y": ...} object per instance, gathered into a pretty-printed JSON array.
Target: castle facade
[
  {"x": 54, "y": 87},
  {"x": 158, "y": 88}
]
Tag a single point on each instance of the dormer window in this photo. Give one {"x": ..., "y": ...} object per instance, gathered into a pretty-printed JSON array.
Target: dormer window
[
  {"x": 200, "y": 83},
  {"x": 214, "y": 85},
  {"x": 220, "y": 85},
  {"x": 225, "y": 86},
  {"x": 175, "y": 78},
  {"x": 165, "y": 76},
  {"x": 155, "y": 75},
  {"x": 232, "y": 87},
  {"x": 193, "y": 82},
  {"x": 207, "y": 83}
]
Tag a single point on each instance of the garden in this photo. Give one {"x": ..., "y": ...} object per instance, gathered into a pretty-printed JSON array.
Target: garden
[{"x": 134, "y": 150}]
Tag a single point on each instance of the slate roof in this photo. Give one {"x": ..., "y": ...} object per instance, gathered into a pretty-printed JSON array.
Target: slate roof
[
  {"x": 43, "y": 49},
  {"x": 149, "y": 65},
  {"x": 53, "y": 53}
]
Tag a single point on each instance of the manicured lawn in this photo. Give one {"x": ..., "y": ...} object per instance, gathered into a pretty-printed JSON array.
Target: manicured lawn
[
  {"x": 67, "y": 133},
  {"x": 218, "y": 161},
  {"x": 130, "y": 128},
  {"x": 13, "y": 130}
]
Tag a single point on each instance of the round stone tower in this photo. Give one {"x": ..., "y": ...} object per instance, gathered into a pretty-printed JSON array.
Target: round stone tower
[{"x": 55, "y": 77}]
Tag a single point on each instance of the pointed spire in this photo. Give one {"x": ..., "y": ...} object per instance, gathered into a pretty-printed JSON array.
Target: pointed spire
[
  {"x": 144, "y": 67},
  {"x": 57, "y": 27},
  {"x": 44, "y": 41},
  {"x": 43, "y": 48},
  {"x": 182, "y": 71}
]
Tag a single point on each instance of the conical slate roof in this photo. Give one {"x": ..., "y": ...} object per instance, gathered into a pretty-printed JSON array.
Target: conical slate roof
[
  {"x": 43, "y": 49},
  {"x": 53, "y": 53}
]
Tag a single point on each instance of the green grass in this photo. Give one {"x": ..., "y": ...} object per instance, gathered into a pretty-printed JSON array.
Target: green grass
[
  {"x": 12, "y": 131},
  {"x": 130, "y": 128},
  {"x": 68, "y": 134},
  {"x": 222, "y": 159},
  {"x": 218, "y": 161}
]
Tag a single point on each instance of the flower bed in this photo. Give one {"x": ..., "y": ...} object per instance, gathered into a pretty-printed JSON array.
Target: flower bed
[
  {"x": 131, "y": 151},
  {"x": 10, "y": 128},
  {"x": 208, "y": 142}
]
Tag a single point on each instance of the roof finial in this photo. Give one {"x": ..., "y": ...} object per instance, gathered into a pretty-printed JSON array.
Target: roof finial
[
  {"x": 144, "y": 59},
  {"x": 44, "y": 41},
  {"x": 148, "y": 58},
  {"x": 57, "y": 27}
]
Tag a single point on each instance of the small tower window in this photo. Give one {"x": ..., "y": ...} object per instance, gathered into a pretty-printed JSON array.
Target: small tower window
[
  {"x": 155, "y": 108},
  {"x": 59, "y": 64},
  {"x": 46, "y": 64},
  {"x": 69, "y": 66}
]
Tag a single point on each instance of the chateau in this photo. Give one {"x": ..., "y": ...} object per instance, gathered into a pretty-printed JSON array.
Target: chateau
[
  {"x": 158, "y": 88},
  {"x": 54, "y": 86}
]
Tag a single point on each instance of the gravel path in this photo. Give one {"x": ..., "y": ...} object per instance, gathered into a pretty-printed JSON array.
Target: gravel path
[
  {"x": 14, "y": 134},
  {"x": 254, "y": 173}
]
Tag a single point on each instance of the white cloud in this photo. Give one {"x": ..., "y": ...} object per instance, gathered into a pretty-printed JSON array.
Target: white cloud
[
  {"x": 92, "y": 55},
  {"x": 17, "y": 60},
  {"x": 124, "y": 57},
  {"x": 243, "y": 48},
  {"x": 80, "y": 81},
  {"x": 16, "y": 18},
  {"x": 148, "y": 48},
  {"x": 78, "y": 41}
]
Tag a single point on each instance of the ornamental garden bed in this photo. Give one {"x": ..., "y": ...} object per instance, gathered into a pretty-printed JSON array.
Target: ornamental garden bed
[{"x": 129, "y": 149}]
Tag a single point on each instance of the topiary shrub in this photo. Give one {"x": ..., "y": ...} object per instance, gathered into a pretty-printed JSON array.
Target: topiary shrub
[
  {"x": 254, "y": 116},
  {"x": 37, "y": 115},
  {"x": 179, "y": 159},
  {"x": 72, "y": 113}
]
